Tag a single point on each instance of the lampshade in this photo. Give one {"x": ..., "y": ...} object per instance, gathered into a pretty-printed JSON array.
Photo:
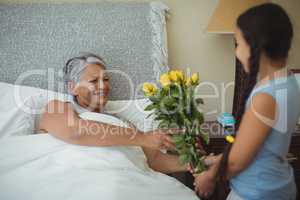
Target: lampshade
[{"x": 224, "y": 17}]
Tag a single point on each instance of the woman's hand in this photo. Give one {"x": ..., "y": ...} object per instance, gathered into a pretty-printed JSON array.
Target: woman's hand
[{"x": 160, "y": 138}]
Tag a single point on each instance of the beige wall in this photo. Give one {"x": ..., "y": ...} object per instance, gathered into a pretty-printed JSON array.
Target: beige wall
[
  {"x": 293, "y": 8},
  {"x": 211, "y": 55}
]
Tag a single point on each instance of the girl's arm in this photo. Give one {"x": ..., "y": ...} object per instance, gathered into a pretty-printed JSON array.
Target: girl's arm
[
  {"x": 253, "y": 131},
  {"x": 60, "y": 120}
]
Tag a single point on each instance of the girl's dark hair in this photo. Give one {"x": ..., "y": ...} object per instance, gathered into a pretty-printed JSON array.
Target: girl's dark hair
[{"x": 267, "y": 29}]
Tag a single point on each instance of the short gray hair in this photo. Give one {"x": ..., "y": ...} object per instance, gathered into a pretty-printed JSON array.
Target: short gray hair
[{"x": 74, "y": 66}]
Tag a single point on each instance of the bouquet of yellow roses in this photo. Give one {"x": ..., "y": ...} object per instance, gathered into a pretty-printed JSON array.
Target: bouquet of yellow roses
[{"x": 174, "y": 106}]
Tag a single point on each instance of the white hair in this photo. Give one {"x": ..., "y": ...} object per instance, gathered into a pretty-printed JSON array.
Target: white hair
[{"x": 75, "y": 66}]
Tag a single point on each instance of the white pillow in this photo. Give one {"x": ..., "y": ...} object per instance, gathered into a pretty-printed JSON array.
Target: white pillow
[
  {"x": 100, "y": 117},
  {"x": 21, "y": 108},
  {"x": 133, "y": 111},
  {"x": 12, "y": 120}
]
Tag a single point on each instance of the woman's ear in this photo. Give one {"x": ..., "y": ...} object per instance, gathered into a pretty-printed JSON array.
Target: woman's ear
[{"x": 71, "y": 88}]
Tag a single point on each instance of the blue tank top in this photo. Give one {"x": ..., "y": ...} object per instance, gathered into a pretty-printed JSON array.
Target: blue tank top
[{"x": 270, "y": 176}]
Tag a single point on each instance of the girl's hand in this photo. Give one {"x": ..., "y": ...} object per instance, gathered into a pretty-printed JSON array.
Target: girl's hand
[
  {"x": 209, "y": 161},
  {"x": 204, "y": 184},
  {"x": 205, "y": 181},
  {"x": 160, "y": 139}
]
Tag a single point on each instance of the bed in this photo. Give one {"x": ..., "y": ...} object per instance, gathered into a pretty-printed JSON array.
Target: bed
[{"x": 36, "y": 40}]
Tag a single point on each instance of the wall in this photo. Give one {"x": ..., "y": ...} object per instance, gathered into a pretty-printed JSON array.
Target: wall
[{"x": 212, "y": 55}]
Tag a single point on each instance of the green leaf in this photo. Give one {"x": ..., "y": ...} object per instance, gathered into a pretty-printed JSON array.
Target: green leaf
[
  {"x": 163, "y": 92},
  {"x": 188, "y": 139},
  {"x": 198, "y": 115},
  {"x": 175, "y": 91},
  {"x": 184, "y": 158},
  {"x": 200, "y": 167},
  {"x": 185, "y": 119},
  {"x": 193, "y": 151},
  {"x": 164, "y": 124},
  {"x": 149, "y": 115},
  {"x": 177, "y": 138},
  {"x": 183, "y": 150},
  {"x": 205, "y": 137},
  {"x": 168, "y": 101},
  {"x": 150, "y": 107},
  {"x": 154, "y": 99},
  {"x": 161, "y": 117}
]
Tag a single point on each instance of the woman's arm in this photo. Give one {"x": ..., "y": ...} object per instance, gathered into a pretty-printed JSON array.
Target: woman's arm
[
  {"x": 162, "y": 162},
  {"x": 60, "y": 120}
]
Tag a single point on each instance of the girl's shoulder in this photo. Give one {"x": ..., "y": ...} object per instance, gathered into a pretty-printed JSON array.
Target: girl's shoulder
[{"x": 271, "y": 86}]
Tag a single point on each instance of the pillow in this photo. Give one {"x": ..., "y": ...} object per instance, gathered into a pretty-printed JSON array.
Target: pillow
[
  {"x": 37, "y": 39},
  {"x": 101, "y": 117},
  {"x": 21, "y": 108},
  {"x": 12, "y": 120},
  {"x": 133, "y": 111}
]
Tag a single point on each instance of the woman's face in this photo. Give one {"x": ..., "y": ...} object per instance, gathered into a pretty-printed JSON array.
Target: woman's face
[
  {"x": 93, "y": 89},
  {"x": 242, "y": 50}
]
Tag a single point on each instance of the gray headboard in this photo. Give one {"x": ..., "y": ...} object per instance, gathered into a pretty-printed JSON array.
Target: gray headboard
[{"x": 37, "y": 39}]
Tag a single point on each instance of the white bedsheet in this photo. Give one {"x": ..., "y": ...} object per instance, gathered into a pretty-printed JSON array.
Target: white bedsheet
[{"x": 39, "y": 166}]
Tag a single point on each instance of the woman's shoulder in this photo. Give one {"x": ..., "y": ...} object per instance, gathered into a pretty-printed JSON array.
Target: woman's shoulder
[
  {"x": 58, "y": 102},
  {"x": 59, "y": 106},
  {"x": 66, "y": 99}
]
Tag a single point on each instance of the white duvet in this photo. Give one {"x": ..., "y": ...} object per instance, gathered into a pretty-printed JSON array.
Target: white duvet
[{"x": 36, "y": 167}]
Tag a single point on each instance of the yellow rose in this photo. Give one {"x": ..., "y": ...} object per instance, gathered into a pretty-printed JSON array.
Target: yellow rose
[
  {"x": 165, "y": 80},
  {"x": 195, "y": 78},
  {"x": 176, "y": 75},
  {"x": 149, "y": 89},
  {"x": 188, "y": 82},
  {"x": 180, "y": 75},
  {"x": 173, "y": 76}
]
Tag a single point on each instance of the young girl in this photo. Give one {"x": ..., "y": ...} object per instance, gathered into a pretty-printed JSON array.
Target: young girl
[{"x": 255, "y": 163}]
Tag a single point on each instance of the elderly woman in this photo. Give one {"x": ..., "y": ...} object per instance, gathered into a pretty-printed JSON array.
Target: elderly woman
[{"x": 88, "y": 83}]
